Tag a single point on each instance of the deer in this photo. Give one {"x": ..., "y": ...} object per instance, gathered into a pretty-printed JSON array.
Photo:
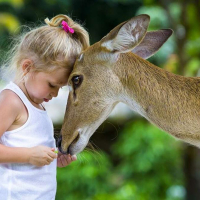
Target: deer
[{"x": 115, "y": 70}]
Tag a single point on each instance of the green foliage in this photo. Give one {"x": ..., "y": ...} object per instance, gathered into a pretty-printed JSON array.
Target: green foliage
[
  {"x": 192, "y": 67},
  {"x": 155, "y": 12},
  {"x": 157, "y": 22},
  {"x": 85, "y": 178},
  {"x": 10, "y": 22},
  {"x": 150, "y": 158},
  {"x": 123, "y": 1},
  {"x": 147, "y": 165},
  {"x": 175, "y": 11},
  {"x": 15, "y": 3}
]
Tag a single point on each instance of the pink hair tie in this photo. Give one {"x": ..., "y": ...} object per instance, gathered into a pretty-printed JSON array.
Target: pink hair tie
[{"x": 66, "y": 27}]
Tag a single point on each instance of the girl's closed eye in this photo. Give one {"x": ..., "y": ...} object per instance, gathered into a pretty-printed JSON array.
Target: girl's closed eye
[{"x": 52, "y": 86}]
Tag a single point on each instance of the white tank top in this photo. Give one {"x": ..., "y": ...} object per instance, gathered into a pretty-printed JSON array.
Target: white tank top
[{"x": 26, "y": 181}]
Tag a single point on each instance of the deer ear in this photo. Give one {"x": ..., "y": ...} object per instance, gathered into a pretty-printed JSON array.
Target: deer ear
[
  {"x": 126, "y": 35},
  {"x": 152, "y": 42}
]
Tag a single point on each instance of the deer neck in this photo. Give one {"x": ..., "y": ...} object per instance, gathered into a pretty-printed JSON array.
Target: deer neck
[
  {"x": 142, "y": 83},
  {"x": 167, "y": 100}
]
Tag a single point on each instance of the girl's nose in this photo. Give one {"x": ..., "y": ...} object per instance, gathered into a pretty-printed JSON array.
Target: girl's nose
[{"x": 54, "y": 93}]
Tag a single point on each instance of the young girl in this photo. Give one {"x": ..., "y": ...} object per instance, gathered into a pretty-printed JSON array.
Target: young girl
[{"x": 43, "y": 59}]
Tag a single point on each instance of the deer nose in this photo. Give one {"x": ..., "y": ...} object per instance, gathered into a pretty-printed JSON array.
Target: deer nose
[{"x": 59, "y": 145}]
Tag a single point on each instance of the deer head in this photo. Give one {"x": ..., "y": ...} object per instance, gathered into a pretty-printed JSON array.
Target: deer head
[{"x": 100, "y": 79}]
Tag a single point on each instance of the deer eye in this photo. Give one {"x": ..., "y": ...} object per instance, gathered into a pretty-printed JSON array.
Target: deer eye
[{"x": 77, "y": 80}]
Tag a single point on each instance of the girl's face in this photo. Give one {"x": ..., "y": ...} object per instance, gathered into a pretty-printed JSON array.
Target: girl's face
[{"x": 43, "y": 86}]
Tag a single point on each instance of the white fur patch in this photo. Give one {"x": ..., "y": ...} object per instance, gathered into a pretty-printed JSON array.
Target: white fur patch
[
  {"x": 124, "y": 38},
  {"x": 134, "y": 106},
  {"x": 108, "y": 45},
  {"x": 80, "y": 57}
]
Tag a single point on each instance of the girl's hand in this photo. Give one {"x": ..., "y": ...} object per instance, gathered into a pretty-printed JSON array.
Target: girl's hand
[
  {"x": 41, "y": 155},
  {"x": 64, "y": 160}
]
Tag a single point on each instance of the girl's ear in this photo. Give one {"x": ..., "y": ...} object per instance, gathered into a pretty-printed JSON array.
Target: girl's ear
[{"x": 26, "y": 65}]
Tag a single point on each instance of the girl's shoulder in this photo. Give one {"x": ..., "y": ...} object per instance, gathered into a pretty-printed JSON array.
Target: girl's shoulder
[
  {"x": 9, "y": 98},
  {"x": 11, "y": 108}
]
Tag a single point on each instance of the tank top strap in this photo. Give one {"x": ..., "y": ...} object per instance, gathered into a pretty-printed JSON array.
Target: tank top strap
[{"x": 16, "y": 89}]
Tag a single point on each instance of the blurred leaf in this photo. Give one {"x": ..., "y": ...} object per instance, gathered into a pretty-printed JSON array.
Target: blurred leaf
[
  {"x": 123, "y": 1},
  {"x": 193, "y": 47},
  {"x": 175, "y": 11},
  {"x": 192, "y": 67},
  {"x": 10, "y": 22},
  {"x": 155, "y": 13},
  {"x": 15, "y": 3}
]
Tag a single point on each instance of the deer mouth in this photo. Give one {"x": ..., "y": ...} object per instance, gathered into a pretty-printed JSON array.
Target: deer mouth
[{"x": 59, "y": 145}]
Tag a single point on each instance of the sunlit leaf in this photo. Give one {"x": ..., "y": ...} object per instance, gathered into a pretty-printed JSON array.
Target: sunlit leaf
[
  {"x": 15, "y": 3},
  {"x": 10, "y": 22}
]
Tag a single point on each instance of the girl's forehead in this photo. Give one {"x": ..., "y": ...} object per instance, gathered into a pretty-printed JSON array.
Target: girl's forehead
[{"x": 59, "y": 76}]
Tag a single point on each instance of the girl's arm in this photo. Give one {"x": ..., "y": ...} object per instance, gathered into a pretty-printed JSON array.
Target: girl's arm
[
  {"x": 39, "y": 155},
  {"x": 13, "y": 155},
  {"x": 10, "y": 107}
]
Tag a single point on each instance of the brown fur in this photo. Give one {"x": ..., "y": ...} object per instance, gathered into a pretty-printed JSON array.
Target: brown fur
[{"x": 169, "y": 101}]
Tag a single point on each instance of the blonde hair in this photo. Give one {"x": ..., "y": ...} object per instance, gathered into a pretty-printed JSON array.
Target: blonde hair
[{"x": 49, "y": 46}]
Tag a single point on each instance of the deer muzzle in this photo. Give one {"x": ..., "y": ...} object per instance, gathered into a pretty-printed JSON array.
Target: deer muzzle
[{"x": 67, "y": 148}]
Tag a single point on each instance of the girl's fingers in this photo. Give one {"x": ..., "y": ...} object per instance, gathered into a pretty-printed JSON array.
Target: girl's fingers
[
  {"x": 59, "y": 163},
  {"x": 52, "y": 154},
  {"x": 50, "y": 159},
  {"x": 69, "y": 159},
  {"x": 55, "y": 150},
  {"x": 74, "y": 157},
  {"x": 65, "y": 159}
]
